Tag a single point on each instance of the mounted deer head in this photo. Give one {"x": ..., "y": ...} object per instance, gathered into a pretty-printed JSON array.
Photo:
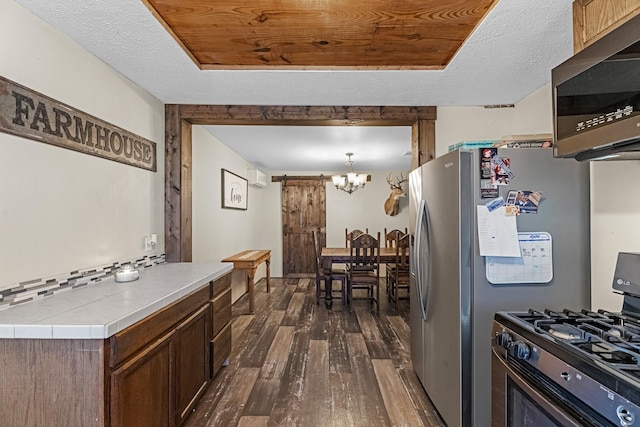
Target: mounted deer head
[{"x": 391, "y": 205}]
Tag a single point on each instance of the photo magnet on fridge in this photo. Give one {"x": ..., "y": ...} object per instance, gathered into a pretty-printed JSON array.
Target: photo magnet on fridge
[
  {"x": 488, "y": 188},
  {"x": 500, "y": 172},
  {"x": 494, "y": 204},
  {"x": 526, "y": 201}
]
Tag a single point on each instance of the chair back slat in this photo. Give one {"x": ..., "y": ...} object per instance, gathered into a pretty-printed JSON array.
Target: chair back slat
[
  {"x": 364, "y": 268},
  {"x": 352, "y": 234},
  {"x": 365, "y": 252},
  {"x": 390, "y": 237},
  {"x": 398, "y": 272},
  {"x": 402, "y": 251}
]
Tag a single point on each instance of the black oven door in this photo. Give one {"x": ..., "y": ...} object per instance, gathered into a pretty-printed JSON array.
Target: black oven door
[{"x": 517, "y": 401}]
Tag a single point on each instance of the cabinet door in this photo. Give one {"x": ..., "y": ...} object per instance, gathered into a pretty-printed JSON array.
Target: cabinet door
[
  {"x": 593, "y": 19},
  {"x": 192, "y": 361},
  {"x": 141, "y": 388}
]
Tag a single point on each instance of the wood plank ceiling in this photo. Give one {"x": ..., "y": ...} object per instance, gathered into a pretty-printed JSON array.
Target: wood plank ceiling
[{"x": 320, "y": 34}]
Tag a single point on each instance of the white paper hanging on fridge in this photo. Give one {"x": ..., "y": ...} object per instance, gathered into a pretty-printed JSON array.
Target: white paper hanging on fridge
[
  {"x": 497, "y": 233},
  {"x": 534, "y": 266}
]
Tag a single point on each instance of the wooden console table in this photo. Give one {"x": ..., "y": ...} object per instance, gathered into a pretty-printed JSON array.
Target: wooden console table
[{"x": 249, "y": 261}]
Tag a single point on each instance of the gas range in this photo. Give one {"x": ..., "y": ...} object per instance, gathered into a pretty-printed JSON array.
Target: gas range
[
  {"x": 570, "y": 367},
  {"x": 590, "y": 358}
]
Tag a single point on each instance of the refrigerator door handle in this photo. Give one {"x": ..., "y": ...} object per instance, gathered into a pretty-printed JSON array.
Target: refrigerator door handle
[
  {"x": 421, "y": 259},
  {"x": 426, "y": 282},
  {"x": 415, "y": 261}
]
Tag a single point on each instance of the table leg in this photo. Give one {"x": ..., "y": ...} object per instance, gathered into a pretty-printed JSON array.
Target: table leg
[
  {"x": 268, "y": 273},
  {"x": 250, "y": 286},
  {"x": 328, "y": 284}
]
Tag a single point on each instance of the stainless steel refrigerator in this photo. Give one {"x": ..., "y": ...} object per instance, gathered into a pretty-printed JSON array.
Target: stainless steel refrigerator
[{"x": 452, "y": 302}]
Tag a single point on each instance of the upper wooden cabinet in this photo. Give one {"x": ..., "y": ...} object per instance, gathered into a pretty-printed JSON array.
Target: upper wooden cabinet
[{"x": 592, "y": 19}]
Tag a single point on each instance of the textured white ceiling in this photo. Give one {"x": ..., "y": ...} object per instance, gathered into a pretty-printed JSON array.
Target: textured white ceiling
[
  {"x": 319, "y": 148},
  {"x": 509, "y": 56}
]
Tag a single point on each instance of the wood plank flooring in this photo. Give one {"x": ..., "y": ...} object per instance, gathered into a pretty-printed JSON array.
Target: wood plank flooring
[{"x": 295, "y": 363}]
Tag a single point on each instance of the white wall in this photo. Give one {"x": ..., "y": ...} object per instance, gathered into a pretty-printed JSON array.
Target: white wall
[
  {"x": 615, "y": 218},
  {"x": 219, "y": 233},
  {"x": 532, "y": 115},
  {"x": 362, "y": 209},
  {"x": 61, "y": 210}
]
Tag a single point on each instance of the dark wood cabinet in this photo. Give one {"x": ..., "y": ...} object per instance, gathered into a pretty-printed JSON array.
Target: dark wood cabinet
[
  {"x": 141, "y": 388},
  {"x": 221, "y": 323},
  {"x": 151, "y": 373},
  {"x": 192, "y": 371},
  {"x": 162, "y": 387},
  {"x": 198, "y": 343},
  {"x": 220, "y": 349},
  {"x": 47, "y": 382}
]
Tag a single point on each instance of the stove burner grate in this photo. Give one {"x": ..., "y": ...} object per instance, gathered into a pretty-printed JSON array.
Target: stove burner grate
[{"x": 613, "y": 338}]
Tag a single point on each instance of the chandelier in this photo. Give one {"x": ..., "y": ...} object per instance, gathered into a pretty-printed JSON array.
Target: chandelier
[{"x": 351, "y": 181}]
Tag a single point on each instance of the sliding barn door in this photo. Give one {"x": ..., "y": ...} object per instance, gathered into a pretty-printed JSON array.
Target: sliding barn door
[{"x": 303, "y": 210}]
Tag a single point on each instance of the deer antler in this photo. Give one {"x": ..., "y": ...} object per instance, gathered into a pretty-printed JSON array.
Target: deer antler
[
  {"x": 398, "y": 181},
  {"x": 391, "y": 205}
]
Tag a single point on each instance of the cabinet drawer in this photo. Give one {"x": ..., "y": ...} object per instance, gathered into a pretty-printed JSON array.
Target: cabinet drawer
[
  {"x": 128, "y": 341},
  {"x": 221, "y": 285},
  {"x": 220, "y": 349},
  {"x": 221, "y": 312}
]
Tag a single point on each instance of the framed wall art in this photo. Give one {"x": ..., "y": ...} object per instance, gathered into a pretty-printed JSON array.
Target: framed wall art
[{"x": 234, "y": 191}]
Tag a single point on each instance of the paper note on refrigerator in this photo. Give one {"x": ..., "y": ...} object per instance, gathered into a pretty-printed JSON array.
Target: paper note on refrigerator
[{"x": 497, "y": 233}]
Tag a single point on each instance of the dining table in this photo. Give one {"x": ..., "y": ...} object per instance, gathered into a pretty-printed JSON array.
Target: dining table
[
  {"x": 330, "y": 256},
  {"x": 341, "y": 256}
]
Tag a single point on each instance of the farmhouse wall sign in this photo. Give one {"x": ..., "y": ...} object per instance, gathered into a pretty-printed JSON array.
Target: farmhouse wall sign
[{"x": 30, "y": 114}]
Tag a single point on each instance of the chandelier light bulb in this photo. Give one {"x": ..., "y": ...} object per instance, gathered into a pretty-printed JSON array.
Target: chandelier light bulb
[{"x": 351, "y": 181}]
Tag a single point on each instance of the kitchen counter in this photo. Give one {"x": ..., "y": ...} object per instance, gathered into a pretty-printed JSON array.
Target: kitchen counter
[{"x": 100, "y": 310}]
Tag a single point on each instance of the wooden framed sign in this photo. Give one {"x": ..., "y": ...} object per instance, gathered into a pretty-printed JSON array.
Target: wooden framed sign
[
  {"x": 234, "y": 191},
  {"x": 32, "y": 115}
]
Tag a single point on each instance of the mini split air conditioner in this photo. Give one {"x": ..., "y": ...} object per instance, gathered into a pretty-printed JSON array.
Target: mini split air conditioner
[{"x": 256, "y": 178}]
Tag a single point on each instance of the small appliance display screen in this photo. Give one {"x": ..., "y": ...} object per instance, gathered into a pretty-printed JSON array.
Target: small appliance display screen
[{"x": 603, "y": 94}]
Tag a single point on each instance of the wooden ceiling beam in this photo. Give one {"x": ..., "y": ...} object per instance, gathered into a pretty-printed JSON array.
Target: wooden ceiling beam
[
  {"x": 305, "y": 115},
  {"x": 179, "y": 119},
  {"x": 283, "y": 178}
]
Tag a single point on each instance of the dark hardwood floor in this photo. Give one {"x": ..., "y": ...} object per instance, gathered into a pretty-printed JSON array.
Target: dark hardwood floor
[{"x": 295, "y": 363}]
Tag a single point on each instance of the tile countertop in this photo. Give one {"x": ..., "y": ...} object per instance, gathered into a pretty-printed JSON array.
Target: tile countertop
[{"x": 99, "y": 310}]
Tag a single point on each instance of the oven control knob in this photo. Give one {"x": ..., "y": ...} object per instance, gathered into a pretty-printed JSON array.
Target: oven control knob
[
  {"x": 626, "y": 417},
  {"x": 520, "y": 350},
  {"x": 503, "y": 339}
]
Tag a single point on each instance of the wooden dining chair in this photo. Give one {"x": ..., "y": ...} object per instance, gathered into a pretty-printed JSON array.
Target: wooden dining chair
[
  {"x": 390, "y": 236},
  {"x": 398, "y": 272},
  {"x": 363, "y": 270},
  {"x": 354, "y": 233},
  {"x": 328, "y": 276}
]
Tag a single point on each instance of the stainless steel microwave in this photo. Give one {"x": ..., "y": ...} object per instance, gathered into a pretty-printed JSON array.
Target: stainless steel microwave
[{"x": 596, "y": 98}]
